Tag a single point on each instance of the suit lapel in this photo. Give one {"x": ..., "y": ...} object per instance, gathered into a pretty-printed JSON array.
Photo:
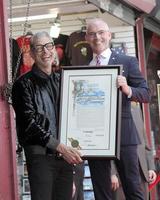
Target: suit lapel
[{"x": 113, "y": 59}]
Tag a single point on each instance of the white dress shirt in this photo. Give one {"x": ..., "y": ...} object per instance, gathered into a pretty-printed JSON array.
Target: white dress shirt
[{"x": 104, "y": 58}]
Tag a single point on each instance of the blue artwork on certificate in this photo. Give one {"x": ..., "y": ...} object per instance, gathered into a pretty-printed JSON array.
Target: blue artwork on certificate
[{"x": 88, "y": 93}]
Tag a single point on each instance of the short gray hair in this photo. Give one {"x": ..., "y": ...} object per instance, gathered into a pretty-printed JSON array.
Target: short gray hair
[
  {"x": 38, "y": 35},
  {"x": 93, "y": 21}
]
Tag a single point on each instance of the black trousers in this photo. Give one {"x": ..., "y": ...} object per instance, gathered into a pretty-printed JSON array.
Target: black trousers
[
  {"x": 128, "y": 169},
  {"x": 50, "y": 178},
  {"x": 101, "y": 179}
]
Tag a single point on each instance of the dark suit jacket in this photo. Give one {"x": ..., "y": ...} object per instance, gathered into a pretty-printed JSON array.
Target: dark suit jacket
[{"x": 140, "y": 93}]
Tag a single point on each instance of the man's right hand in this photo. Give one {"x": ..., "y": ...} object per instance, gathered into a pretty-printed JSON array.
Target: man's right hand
[{"x": 71, "y": 155}]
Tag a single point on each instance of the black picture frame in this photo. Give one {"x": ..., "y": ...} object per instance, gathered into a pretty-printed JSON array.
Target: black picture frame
[{"x": 90, "y": 110}]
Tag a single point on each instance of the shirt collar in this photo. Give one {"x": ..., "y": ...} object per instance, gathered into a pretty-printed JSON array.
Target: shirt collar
[
  {"x": 38, "y": 72},
  {"x": 105, "y": 54}
]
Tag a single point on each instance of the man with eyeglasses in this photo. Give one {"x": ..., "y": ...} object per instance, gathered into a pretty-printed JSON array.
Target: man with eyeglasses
[
  {"x": 134, "y": 88},
  {"x": 35, "y": 97}
]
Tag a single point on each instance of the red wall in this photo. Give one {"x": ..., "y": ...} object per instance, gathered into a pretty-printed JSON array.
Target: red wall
[
  {"x": 144, "y": 5},
  {"x": 8, "y": 178},
  {"x": 142, "y": 62}
]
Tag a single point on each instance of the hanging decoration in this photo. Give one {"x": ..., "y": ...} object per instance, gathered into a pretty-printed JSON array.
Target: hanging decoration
[{"x": 7, "y": 89}]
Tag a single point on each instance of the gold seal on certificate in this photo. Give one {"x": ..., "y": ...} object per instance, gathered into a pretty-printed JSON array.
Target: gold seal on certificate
[{"x": 74, "y": 143}]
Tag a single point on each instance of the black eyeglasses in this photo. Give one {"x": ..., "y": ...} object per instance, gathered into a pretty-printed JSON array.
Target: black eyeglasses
[
  {"x": 39, "y": 48},
  {"x": 94, "y": 34}
]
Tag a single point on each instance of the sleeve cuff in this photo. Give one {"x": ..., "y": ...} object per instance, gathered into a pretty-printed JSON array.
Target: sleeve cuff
[
  {"x": 52, "y": 143},
  {"x": 130, "y": 93}
]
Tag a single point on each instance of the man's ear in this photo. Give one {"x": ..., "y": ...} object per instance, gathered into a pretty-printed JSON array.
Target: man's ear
[{"x": 110, "y": 35}]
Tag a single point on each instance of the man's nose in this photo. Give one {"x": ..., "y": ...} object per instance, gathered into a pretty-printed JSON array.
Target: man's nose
[
  {"x": 45, "y": 49},
  {"x": 96, "y": 35}
]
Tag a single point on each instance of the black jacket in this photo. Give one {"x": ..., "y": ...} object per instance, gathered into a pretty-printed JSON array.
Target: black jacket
[{"x": 35, "y": 97}]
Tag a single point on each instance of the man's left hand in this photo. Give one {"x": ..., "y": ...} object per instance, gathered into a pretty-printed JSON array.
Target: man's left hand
[
  {"x": 122, "y": 83},
  {"x": 152, "y": 176}
]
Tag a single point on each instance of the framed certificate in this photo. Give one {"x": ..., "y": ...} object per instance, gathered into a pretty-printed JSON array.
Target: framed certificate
[
  {"x": 26, "y": 186},
  {"x": 25, "y": 172},
  {"x": 90, "y": 110},
  {"x": 26, "y": 197}
]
